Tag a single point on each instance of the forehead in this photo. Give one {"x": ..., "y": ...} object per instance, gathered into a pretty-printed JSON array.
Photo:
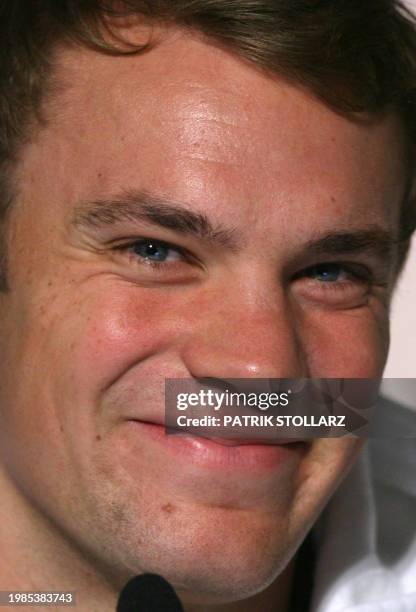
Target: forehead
[{"x": 207, "y": 126}]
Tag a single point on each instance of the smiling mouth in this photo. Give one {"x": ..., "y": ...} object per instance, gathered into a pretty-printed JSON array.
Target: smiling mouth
[
  {"x": 223, "y": 453},
  {"x": 223, "y": 439}
]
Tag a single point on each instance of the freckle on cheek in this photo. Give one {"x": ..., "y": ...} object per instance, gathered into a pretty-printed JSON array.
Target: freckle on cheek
[
  {"x": 98, "y": 438},
  {"x": 168, "y": 508}
]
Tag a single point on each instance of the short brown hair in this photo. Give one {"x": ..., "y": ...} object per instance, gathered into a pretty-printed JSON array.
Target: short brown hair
[{"x": 357, "y": 56}]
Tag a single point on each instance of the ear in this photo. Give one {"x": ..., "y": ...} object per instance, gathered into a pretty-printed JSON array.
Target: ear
[
  {"x": 5, "y": 205},
  {"x": 407, "y": 222}
]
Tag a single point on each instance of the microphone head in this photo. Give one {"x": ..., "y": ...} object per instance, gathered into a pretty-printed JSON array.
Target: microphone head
[{"x": 148, "y": 593}]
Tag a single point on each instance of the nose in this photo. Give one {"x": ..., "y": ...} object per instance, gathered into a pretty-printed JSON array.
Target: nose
[{"x": 239, "y": 337}]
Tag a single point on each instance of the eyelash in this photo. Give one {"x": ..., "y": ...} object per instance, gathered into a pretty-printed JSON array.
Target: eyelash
[{"x": 355, "y": 272}]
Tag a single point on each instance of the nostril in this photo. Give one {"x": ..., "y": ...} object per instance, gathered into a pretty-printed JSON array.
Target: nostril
[{"x": 212, "y": 382}]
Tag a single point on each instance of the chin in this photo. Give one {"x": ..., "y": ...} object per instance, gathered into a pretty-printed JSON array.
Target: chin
[
  {"x": 230, "y": 559},
  {"x": 211, "y": 583}
]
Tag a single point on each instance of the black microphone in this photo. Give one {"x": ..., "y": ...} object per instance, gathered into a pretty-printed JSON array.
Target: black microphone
[{"x": 148, "y": 593}]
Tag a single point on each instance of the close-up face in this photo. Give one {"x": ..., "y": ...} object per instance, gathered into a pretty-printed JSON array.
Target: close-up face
[{"x": 183, "y": 214}]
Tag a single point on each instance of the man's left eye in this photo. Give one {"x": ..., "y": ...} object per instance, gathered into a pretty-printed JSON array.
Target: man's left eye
[
  {"x": 335, "y": 284},
  {"x": 327, "y": 273}
]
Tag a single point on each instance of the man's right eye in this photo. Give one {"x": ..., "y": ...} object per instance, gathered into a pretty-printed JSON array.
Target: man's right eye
[
  {"x": 156, "y": 251},
  {"x": 154, "y": 260}
]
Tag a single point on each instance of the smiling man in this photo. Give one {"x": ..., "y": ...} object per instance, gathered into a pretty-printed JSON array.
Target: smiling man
[{"x": 227, "y": 193}]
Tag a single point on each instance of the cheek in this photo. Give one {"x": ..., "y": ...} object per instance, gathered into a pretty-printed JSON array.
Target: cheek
[
  {"x": 328, "y": 462},
  {"x": 350, "y": 344},
  {"x": 139, "y": 327},
  {"x": 120, "y": 333},
  {"x": 77, "y": 349}
]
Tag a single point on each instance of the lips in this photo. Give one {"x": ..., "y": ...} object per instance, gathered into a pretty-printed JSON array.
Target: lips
[
  {"x": 236, "y": 454},
  {"x": 236, "y": 440}
]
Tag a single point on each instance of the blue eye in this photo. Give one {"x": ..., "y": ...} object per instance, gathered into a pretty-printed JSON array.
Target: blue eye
[
  {"x": 327, "y": 273},
  {"x": 152, "y": 250}
]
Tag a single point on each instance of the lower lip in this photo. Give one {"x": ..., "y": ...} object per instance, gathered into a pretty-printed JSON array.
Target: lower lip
[{"x": 222, "y": 454}]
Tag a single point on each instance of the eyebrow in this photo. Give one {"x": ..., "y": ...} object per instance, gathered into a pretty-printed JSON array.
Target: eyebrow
[
  {"x": 373, "y": 241},
  {"x": 140, "y": 206},
  {"x": 143, "y": 207}
]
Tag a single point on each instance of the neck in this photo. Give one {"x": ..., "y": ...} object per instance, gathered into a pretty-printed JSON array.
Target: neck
[{"x": 36, "y": 555}]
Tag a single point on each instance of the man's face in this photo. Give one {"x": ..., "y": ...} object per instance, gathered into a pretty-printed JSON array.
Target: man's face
[{"x": 291, "y": 279}]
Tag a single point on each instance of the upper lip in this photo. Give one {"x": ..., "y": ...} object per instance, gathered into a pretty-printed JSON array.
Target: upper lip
[{"x": 252, "y": 441}]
